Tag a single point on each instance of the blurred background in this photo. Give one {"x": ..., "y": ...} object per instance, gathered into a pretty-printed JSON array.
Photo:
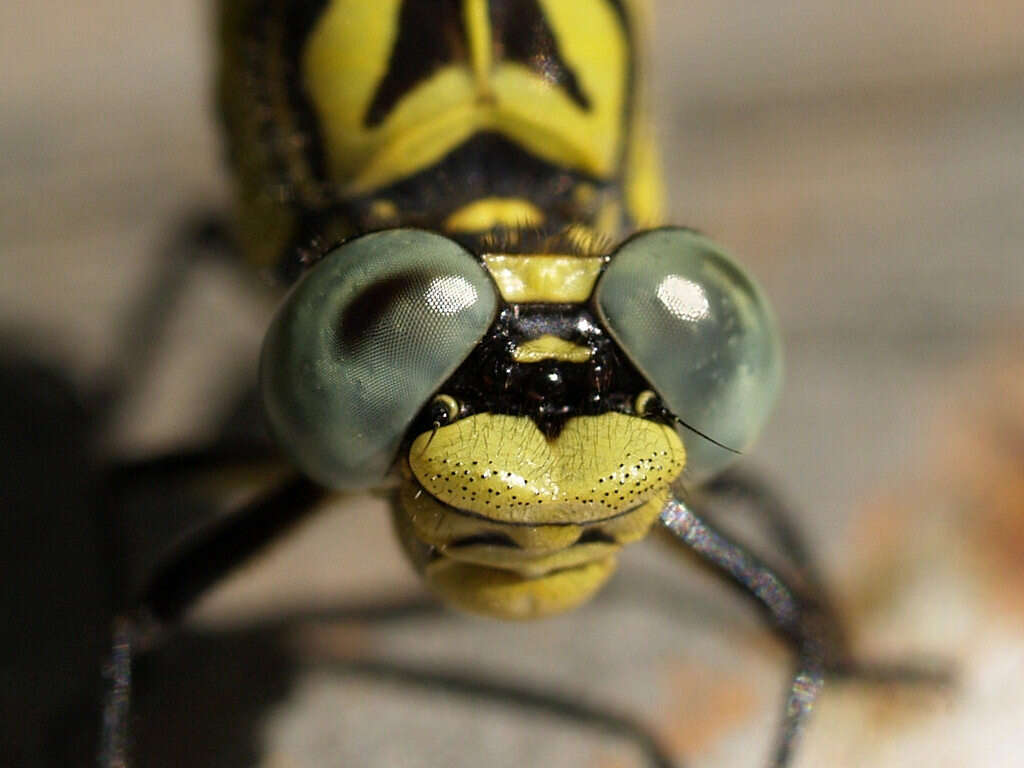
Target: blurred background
[{"x": 865, "y": 160}]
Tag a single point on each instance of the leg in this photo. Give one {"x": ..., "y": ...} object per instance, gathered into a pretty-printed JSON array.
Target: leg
[
  {"x": 801, "y": 617},
  {"x": 117, "y": 699},
  {"x": 798, "y": 618},
  {"x": 200, "y": 237},
  {"x": 175, "y": 525},
  {"x": 196, "y": 553},
  {"x": 215, "y": 552},
  {"x": 509, "y": 693},
  {"x": 752, "y": 496}
]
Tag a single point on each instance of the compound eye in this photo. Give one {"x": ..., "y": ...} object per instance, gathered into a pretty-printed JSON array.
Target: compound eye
[
  {"x": 702, "y": 333},
  {"x": 362, "y": 343}
]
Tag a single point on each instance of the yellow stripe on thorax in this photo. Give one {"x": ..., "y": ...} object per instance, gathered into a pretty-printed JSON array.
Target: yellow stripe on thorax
[
  {"x": 347, "y": 55},
  {"x": 492, "y": 213},
  {"x": 477, "y": 17}
]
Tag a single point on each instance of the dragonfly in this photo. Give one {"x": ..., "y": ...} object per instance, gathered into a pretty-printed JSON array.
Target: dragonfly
[{"x": 483, "y": 310}]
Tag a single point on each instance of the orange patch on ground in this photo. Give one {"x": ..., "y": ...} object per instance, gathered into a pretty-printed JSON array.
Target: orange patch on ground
[
  {"x": 984, "y": 467},
  {"x": 965, "y": 495},
  {"x": 702, "y": 706},
  {"x": 898, "y": 533},
  {"x": 333, "y": 641},
  {"x": 607, "y": 761}
]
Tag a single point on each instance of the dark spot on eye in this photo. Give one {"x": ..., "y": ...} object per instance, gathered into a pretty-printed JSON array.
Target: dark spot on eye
[{"x": 360, "y": 323}]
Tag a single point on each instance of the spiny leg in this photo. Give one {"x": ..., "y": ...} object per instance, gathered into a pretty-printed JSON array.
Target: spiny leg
[{"x": 796, "y": 616}]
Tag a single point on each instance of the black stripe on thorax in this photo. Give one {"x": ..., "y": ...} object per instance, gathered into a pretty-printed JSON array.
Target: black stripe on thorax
[
  {"x": 521, "y": 33},
  {"x": 432, "y": 33}
]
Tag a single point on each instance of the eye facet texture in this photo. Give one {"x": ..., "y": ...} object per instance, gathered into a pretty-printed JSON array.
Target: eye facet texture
[
  {"x": 363, "y": 342},
  {"x": 701, "y": 331}
]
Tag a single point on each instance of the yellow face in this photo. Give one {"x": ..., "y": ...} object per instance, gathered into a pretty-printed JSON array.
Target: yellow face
[
  {"x": 504, "y": 521},
  {"x": 531, "y": 443}
]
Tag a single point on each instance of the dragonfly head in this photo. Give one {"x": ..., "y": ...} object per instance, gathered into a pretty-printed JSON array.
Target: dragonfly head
[{"x": 536, "y": 407}]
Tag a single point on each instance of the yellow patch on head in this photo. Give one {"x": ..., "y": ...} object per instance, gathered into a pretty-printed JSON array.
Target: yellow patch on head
[
  {"x": 502, "y": 468},
  {"x": 495, "y": 590},
  {"x": 548, "y": 347},
  {"x": 544, "y": 278},
  {"x": 491, "y": 592},
  {"x": 513, "y": 571},
  {"x": 503, "y": 521},
  {"x": 383, "y": 212}
]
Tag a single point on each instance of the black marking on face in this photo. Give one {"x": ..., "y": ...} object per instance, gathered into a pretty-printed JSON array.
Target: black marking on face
[{"x": 549, "y": 392}]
